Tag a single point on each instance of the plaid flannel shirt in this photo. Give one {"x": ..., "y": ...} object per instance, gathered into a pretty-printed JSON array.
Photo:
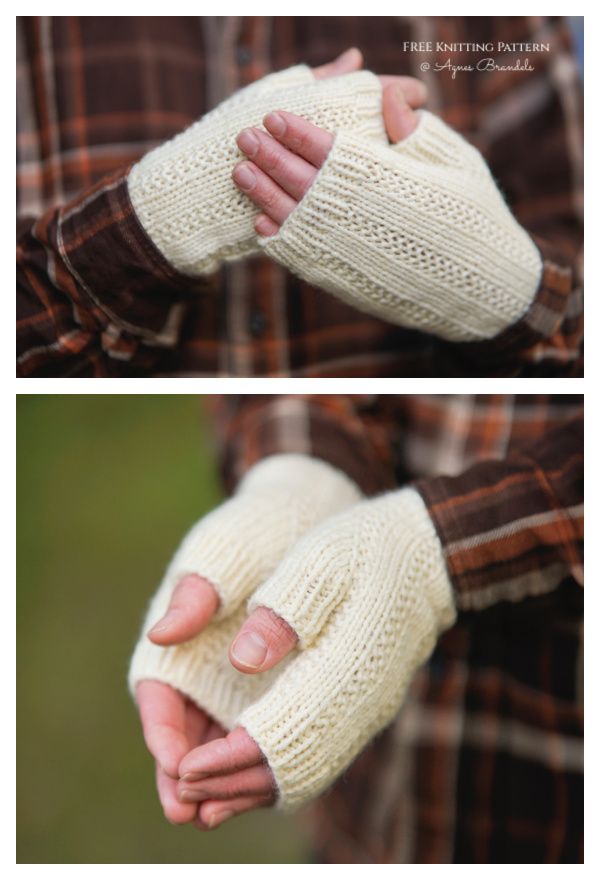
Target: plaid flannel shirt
[
  {"x": 95, "y": 297},
  {"x": 484, "y": 762}
]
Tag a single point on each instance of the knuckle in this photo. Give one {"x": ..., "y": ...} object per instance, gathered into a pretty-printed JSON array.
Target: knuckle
[
  {"x": 224, "y": 751},
  {"x": 268, "y": 196},
  {"x": 304, "y": 139},
  {"x": 279, "y": 633},
  {"x": 278, "y": 162}
]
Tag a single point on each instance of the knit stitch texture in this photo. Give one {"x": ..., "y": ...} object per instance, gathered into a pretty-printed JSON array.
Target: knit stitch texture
[
  {"x": 416, "y": 233},
  {"x": 183, "y": 192},
  {"x": 236, "y": 547},
  {"x": 368, "y": 593}
]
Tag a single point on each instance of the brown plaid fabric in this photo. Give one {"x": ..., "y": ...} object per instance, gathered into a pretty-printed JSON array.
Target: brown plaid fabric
[
  {"x": 95, "y": 298},
  {"x": 484, "y": 762}
]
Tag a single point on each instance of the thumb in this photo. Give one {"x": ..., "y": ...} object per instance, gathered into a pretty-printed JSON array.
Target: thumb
[
  {"x": 348, "y": 62},
  {"x": 262, "y": 642},
  {"x": 399, "y": 118},
  {"x": 193, "y": 603}
]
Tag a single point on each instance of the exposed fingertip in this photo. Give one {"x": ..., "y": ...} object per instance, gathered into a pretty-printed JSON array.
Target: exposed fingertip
[
  {"x": 170, "y": 767},
  {"x": 217, "y": 818},
  {"x": 244, "y": 176},
  {"x": 275, "y": 124},
  {"x": 352, "y": 55},
  {"x": 265, "y": 226},
  {"x": 199, "y": 824},
  {"x": 164, "y": 625},
  {"x": 249, "y": 650},
  {"x": 248, "y": 142},
  {"x": 193, "y": 777},
  {"x": 176, "y": 817}
]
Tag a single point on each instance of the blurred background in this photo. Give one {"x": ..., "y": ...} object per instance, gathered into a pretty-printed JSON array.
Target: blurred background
[{"x": 107, "y": 486}]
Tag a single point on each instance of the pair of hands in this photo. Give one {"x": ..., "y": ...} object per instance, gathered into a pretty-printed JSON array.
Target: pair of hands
[
  {"x": 203, "y": 774},
  {"x": 397, "y": 214},
  {"x": 182, "y": 738},
  {"x": 359, "y": 587},
  {"x": 284, "y": 163}
]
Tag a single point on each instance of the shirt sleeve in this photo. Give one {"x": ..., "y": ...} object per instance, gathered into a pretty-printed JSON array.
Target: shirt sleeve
[
  {"x": 94, "y": 295},
  {"x": 343, "y": 430},
  {"x": 512, "y": 529}
]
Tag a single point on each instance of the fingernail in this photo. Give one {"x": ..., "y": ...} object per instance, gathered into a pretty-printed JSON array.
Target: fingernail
[
  {"x": 194, "y": 777},
  {"x": 217, "y": 818},
  {"x": 249, "y": 649},
  {"x": 187, "y": 796},
  {"x": 165, "y": 622},
  {"x": 248, "y": 142},
  {"x": 275, "y": 123},
  {"x": 244, "y": 177}
]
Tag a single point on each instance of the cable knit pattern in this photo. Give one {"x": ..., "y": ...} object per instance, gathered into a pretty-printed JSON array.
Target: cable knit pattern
[
  {"x": 417, "y": 234},
  {"x": 183, "y": 192},
  {"x": 368, "y": 593},
  {"x": 236, "y": 547}
]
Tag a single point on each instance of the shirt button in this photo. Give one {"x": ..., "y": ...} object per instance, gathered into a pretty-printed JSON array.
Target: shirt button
[
  {"x": 258, "y": 324},
  {"x": 243, "y": 55}
]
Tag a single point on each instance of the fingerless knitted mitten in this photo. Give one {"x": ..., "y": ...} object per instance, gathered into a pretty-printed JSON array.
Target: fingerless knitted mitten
[
  {"x": 417, "y": 234},
  {"x": 367, "y": 592},
  {"x": 236, "y": 547},
  {"x": 183, "y": 192}
]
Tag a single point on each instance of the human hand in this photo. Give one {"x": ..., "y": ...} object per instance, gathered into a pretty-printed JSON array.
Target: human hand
[
  {"x": 366, "y": 594},
  {"x": 285, "y": 162},
  {"x": 182, "y": 191},
  {"x": 172, "y": 725},
  {"x": 415, "y": 232},
  {"x": 182, "y": 663}
]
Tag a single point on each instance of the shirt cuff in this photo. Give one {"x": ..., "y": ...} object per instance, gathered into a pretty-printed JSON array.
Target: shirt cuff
[
  {"x": 116, "y": 265},
  {"x": 556, "y": 311}
]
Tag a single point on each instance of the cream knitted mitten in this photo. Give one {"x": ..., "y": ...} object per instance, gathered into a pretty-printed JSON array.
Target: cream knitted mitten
[
  {"x": 182, "y": 191},
  {"x": 367, "y": 592},
  {"x": 236, "y": 547},
  {"x": 416, "y": 233}
]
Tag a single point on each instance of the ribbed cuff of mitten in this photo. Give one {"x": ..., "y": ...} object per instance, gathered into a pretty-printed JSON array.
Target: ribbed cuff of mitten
[{"x": 417, "y": 234}]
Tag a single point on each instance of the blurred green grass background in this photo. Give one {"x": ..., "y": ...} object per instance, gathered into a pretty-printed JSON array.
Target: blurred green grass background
[{"x": 107, "y": 485}]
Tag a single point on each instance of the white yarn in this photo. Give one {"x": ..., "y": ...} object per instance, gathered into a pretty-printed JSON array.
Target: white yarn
[
  {"x": 367, "y": 591},
  {"x": 236, "y": 547},
  {"x": 183, "y": 192},
  {"x": 417, "y": 234}
]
